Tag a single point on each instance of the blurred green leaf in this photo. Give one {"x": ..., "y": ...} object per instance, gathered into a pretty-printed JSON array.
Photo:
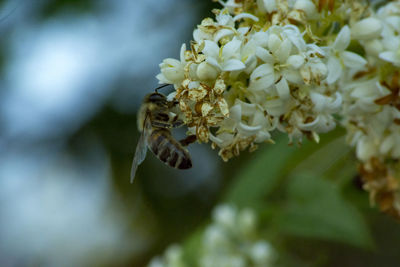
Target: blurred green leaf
[
  {"x": 191, "y": 247},
  {"x": 269, "y": 166},
  {"x": 316, "y": 209},
  {"x": 260, "y": 175}
]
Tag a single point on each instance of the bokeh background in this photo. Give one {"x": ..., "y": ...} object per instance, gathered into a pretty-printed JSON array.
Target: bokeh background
[{"x": 72, "y": 76}]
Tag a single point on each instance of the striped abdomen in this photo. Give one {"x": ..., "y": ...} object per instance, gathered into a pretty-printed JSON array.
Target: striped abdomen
[{"x": 168, "y": 150}]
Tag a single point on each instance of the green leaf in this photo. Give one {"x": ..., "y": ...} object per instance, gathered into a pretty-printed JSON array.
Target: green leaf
[
  {"x": 269, "y": 166},
  {"x": 192, "y": 247},
  {"x": 260, "y": 175},
  {"x": 316, "y": 209}
]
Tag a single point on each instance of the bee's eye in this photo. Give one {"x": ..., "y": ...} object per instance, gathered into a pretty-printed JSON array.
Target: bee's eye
[{"x": 156, "y": 97}]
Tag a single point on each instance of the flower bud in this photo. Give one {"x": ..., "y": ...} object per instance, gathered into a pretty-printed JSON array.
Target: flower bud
[
  {"x": 373, "y": 47},
  {"x": 206, "y": 72},
  {"x": 365, "y": 29},
  {"x": 307, "y": 6}
]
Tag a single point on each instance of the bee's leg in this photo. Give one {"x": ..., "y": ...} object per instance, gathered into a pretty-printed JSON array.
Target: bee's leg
[
  {"x": 188, "y": 140},
  {"x": 161, "y": 124},
  {"x": 161, "y": 120},
  {"x": 172, "y": 103},
  {"x": 176, "y": 122}
]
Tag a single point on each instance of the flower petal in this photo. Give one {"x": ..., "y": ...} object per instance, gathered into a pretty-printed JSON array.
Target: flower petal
[
  {"x": 212, "y": 61},
  {"x": 235, "y": 112},
  {"x": 245, "y": 15},
  {"x": 262, "y": 77},
  {"x": 264, "y": 55},
  {"x": 211, "y": 49},
  {"x": 262, "y": 70},
  {"x": 248, "y": 130},
  {"x": 251, "y": 63},
  {"x": 282, "y": 88},
  {"x": 231, "y": 49},
  {"x": 343, "y": 39},
  {"x": 284, "y": 51},
  {"x": 261, "y": 38},
  {"x": 274, "y": 42},
  {"x": 262, "y": 136},
  {"x": 334, "y": 70},
  {"x": 232, "y": 65},
  {"x": 223, "y": 139},
  {"x": 366, "y": 29},
  {"x": 352, "y": 60},
  {"x": 270, "y": 5},
  {"x": 390, "y": 57},
  {"x": 295, "y": 61},
  {"x": 247, "y": 109},
  {"x": 292, "y": 76},
  {"x": 293, "y": 34},
  {"x": 243, "y": 30},
  {"x": 222, "y": 33},
  {"x": 182, "y": 52},
  {"x": 206, "y": 71}
]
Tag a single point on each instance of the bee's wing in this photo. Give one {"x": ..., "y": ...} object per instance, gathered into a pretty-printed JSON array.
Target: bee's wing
[{"x": 141, "y": 149}]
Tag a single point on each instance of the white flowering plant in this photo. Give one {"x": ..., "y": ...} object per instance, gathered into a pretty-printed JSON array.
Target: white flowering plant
[
  {"x": 231, "y": 239},
  {"x": 302, "y": 68}
]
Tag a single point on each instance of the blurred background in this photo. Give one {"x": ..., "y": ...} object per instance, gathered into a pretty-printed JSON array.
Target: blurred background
[{"x": 73, "y": 75}]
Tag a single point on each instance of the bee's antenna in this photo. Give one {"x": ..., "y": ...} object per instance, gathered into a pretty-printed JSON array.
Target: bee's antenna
[{"x": 162, "y": 86}]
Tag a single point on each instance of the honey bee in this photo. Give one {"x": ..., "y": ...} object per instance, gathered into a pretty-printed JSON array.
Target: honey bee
[{"x": 155, "y": 123}]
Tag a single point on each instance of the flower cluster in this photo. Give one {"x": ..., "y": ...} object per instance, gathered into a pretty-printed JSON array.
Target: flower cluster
[
  {"x": 371, "y": 108},
  {"x": 299, "y": 67},
  {"x": 230, "y": 240},
  {"x": 247, "y": 75}
]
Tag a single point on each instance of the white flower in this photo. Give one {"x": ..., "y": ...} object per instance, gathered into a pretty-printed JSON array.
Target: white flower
[
  {"x": 246, "y": 222},
  {"x": 391, "y": 143},
  {"x": 323, "y": 123},
  {"x": 225, "y": 215},
  {"x": 173, "y": 258},
  {"x": 249, "y": 50},
  {"x": 224, "y": 245},
  {"x": 225, "y": 58},
  {"x": 313, "y": 69},
  {"x": 359, "y": 96},
  {"x": 172, "y": 70},
  {"x": 376, "y": 135},
  {"x": 261, "y": 253},
  {"x": 256, "y": 124},
  {"x": 326, "y": 104},
  {"x": 156, "y": 262},
  {"x": 390, "y": 9},
  {"x": 339, "y": 58},
  {"x": 391, "y": 37},
  {"x": 281, "y": 61},
  {"x": 215, "y": 236},
  {"x": 365, "y": 147},
  {"x": 373, "y": 47},
  {"x": 262, "y": 77}
]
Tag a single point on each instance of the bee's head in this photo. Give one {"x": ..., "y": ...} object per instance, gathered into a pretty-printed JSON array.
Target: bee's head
[{"x": 156, "y": 98}]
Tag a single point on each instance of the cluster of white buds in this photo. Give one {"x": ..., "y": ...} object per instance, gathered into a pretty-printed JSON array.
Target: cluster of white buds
[
  {"x": 298, "y": 67},
  {"x": 231, "y": 239}
]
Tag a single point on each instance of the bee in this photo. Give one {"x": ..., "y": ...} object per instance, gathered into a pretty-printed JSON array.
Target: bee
[{"x": 155, "y": 123}]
